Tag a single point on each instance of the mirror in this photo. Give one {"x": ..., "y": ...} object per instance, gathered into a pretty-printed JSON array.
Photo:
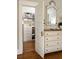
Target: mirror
[{"x": 51, "y": 14}]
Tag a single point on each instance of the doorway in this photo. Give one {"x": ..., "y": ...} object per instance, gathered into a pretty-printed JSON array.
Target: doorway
[
  {"x": 28, "y": 32},
  {"x": 28, "y": 19}
]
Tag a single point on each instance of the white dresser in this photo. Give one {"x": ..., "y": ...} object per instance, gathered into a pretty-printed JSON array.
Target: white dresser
[
  {"x": 53, "y": 41},
  {"x": 49, "y": 41}
]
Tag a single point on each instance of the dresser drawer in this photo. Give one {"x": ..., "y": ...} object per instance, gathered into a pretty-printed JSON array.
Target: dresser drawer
[
  {"x": 53, "y": 38},
  {"x": 53, "y": 43},
  {"x": 52, "y": 33},
  {"x": 53, "y": 49}
]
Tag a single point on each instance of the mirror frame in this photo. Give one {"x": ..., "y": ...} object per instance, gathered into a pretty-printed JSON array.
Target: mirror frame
[{"x": 52, "y": 5}]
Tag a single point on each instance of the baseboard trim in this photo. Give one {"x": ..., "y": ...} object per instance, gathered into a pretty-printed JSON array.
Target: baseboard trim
[{"x": 19, "y": 52}]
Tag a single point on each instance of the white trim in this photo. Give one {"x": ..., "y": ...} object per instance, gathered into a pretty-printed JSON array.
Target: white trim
[
  {"x": 19, "y": 52},
  {"x": 29, "y": 3}
]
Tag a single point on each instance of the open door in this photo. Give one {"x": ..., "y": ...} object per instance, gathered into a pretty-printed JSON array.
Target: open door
[{"x": 39, "y": 29}]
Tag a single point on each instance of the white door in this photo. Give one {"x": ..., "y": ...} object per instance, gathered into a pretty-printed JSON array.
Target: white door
[
  {"x": 27, "y": 33},
  {"x": 39, "y": 29}
]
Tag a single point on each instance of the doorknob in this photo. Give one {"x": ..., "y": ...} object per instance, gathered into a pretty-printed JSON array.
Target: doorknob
[{"x": 42, "y": 33}]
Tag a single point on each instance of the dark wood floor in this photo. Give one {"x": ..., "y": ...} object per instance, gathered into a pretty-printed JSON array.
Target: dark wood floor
[{"x": 31, "y": 54}]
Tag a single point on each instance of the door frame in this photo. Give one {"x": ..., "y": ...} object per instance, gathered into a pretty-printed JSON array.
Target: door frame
[{"x": 20, "y": 23}]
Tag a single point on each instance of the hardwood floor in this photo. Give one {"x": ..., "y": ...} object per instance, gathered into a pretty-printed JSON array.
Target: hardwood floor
[
  {"x": 31, "y": 54},
  {"x": 29, "y": 46},
  {"x": 54, "y": 55}
]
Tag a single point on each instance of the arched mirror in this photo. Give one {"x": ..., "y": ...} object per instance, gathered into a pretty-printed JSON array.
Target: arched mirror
[{"x": 51, "y": 14}]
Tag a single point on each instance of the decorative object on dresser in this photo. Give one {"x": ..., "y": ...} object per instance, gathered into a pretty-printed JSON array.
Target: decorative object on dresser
[{"x": 60, "y": 25}]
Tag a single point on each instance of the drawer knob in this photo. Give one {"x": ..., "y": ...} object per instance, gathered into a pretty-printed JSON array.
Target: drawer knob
[
  {"x": 46, "y": 44},
  {"x": 47, "y": 39},
  {"x": 57, "y": 33},
  {"x": 57, "y": 37},
  {"x": 46, "y": 50},
  {"x": 57, "y": 42},
  {"x": 57, "y": 48},
  {"x": 47, "y": 33}
]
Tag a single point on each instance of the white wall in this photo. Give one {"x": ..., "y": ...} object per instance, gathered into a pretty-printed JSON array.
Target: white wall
[{"x": 59, "y": 10}]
